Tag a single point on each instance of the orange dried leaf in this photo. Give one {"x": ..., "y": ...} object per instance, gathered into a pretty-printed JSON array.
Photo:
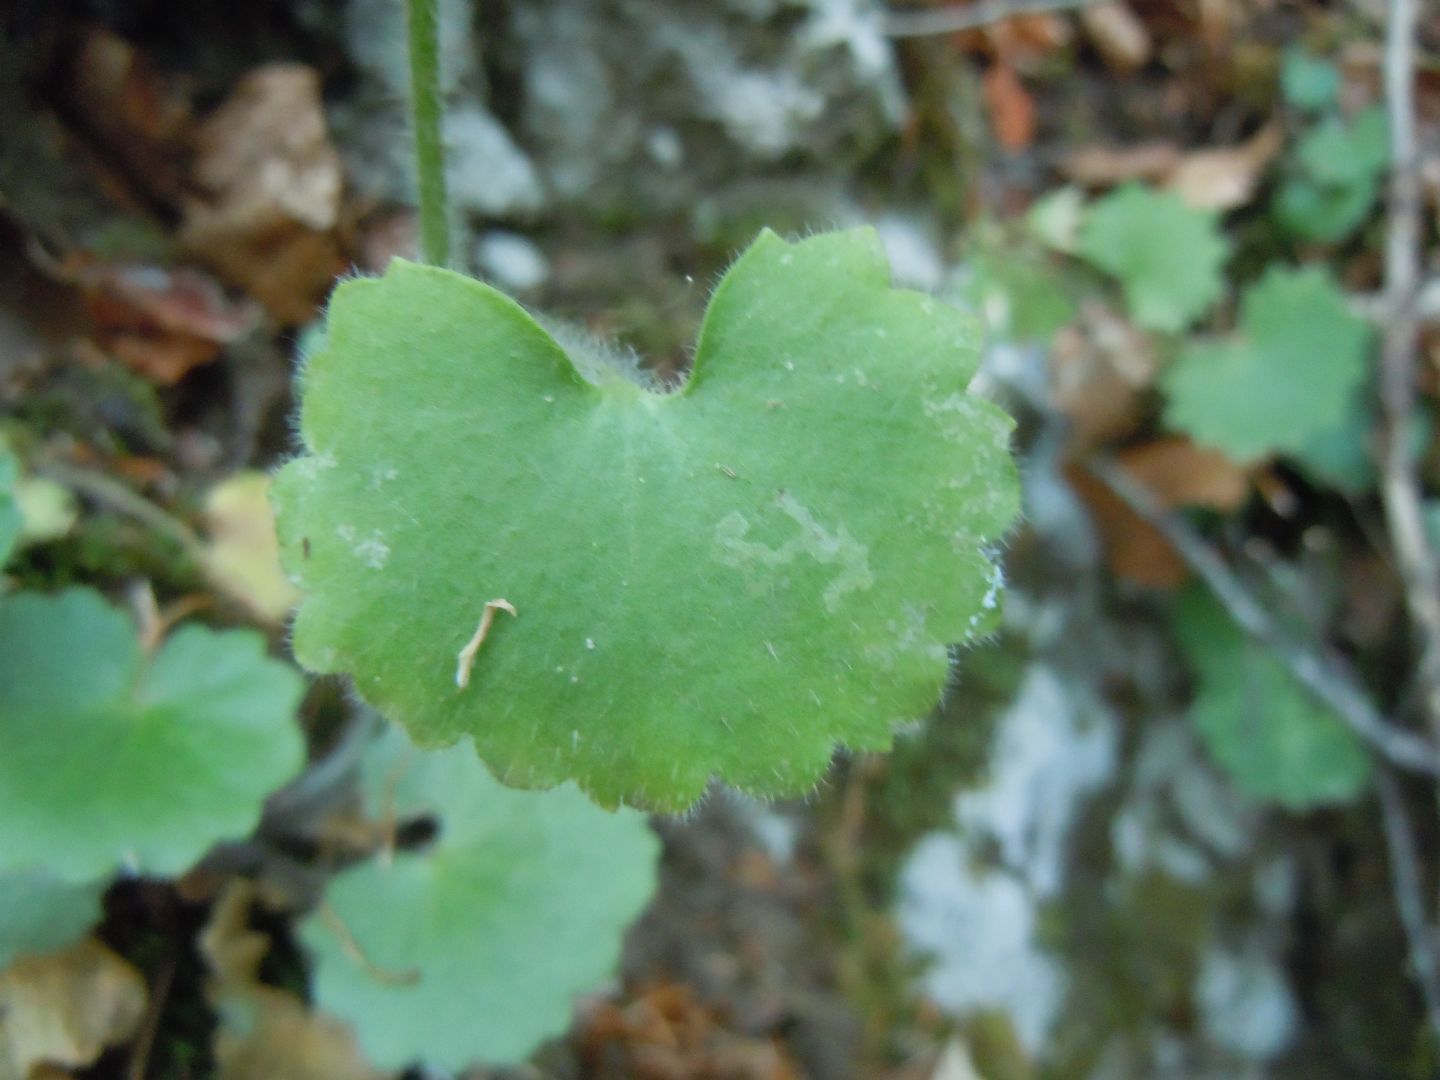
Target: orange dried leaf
[{"x": 1011, "y": 108}]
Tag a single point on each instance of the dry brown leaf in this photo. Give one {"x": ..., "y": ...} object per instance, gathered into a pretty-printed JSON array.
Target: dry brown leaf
[
  {"x": 273, "y": 185},
  {"x": 1100, "y": 366},
  {"x": 1011, "y": 108},
  {"x": 1118, "y": 35},
  {"x": 65, "y": 1008},
  {"x": 266, "y": 1033},
  {"x": 1225, "y": 177},
  {"x": 132, "y": 124},
  {"x": 242, "y": 555},
  {"x": 159, "y": 321},
  {"x": 1102, "y": 166},
  {"x": 1177, "y": 472},
  {"x": 1134, "y": 549},
  {"x": 665, "y": 1033}
]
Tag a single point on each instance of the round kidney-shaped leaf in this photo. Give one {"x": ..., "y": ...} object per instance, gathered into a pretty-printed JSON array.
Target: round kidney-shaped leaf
[
  {"x": 40, "y": 913},
  {"x": 110, "y": 757},
  {"x": 474, "y": 947},
  {"x": 725, "y": 580}
]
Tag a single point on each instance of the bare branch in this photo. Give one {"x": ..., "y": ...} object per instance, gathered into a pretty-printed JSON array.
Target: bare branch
[
  {"x": 1410, "y": 894},
  {"x": 952, "y": 20},
  {"x": 1399, "y": 482},
  {"x": 1326, "y": 676}
]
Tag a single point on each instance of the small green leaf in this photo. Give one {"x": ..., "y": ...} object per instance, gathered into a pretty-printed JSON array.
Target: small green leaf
[
  {"x": 112, "y": 758},
  {"x": 722, "y": 581},
  {"x": 1277, "y": 743},
  {"x": 1308, "y": 82},
  {"x": 1292, "y": 373},
  {"x": 1166, "y": 254},
  {"x": 1325, "y": 215},
  {"x": 10, "y": 517},
  {"x": 40, "y": 913},
  {"x": 1016, "y": 293},
  {"x": 1340, "y": 153},
  {"x": 476, "y": 947}
]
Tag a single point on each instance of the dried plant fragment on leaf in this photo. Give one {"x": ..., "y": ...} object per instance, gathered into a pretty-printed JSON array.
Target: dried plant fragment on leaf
[
  {"x": 475, "y": 947},
  {"x": 1291, "y": 373},
  {"x": 110, "y": 757},
  {"x": 724, "y": 581}
]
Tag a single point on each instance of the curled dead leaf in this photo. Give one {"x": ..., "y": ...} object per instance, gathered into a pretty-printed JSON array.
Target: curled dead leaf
[
  {"x": 1225, "y": 177},
  {"x": 1011, "y": 108},
  {"x": 1100, "y": 365},
  {"x": 1118, "y": 35},
  {"x": 266, "y": 1033},
  {"x": 242, "y": 554},
  {"x": 64, "y": 1008},
  {"x": 273, "y": 183}
]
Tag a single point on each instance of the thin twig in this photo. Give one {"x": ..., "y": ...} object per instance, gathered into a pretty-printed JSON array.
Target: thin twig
[
  {"x": 1410, "y": 894},
  {"x": 1324, "y": 674},
  {"x": 953, "y": 20},
  {"x": 1399, "y": 482},
  {"x": 138, "y": 1067}
]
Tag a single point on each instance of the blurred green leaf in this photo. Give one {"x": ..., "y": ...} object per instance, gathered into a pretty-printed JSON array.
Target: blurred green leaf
[
  {"x": 110, "y": 757},
  {"x": 1276, "y": 742},
  {"x": 10, "y": 517},
  {"x": 1290, "y": 375},
  {"x": 40, "y": 913},
  {"x": 1325, "y": 215},
  {"x": 1167, "y": 255},
  {"x": 1340, "y": 153},
  {"x": 476, "y": 947},
  {"x": 1307, "y": 81}
]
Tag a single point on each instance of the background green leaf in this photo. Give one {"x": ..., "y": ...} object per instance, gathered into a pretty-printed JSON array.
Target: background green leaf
[
  {"x": 1166, "y": 254},
  {"x": 10, "y": 519},
  {"x": 40, "y": 913},
  {"x": 1292, "y": 373},
  {"x": 1308, "y": 82},
  {"x": 112, "y": 758},
  {"x": 476, "y": 946},
  {"x": 724, "y": 581},
  {"x": 1276, "y": 742}
]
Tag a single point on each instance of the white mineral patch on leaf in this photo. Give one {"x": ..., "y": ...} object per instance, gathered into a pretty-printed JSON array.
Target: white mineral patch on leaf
[{"x": 836, "y": 548}]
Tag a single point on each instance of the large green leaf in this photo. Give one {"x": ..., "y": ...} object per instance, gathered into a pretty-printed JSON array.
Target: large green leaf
[
  {"x": 721, "y": 581},
  {"x": 1291, "y": 375},
  {"x": 475, "y": 947},
  {"x": 1266, "y": 730},
  {"x": 1167, "y": 255},
  {"x": 109, "y": 757},
  {"x": 40, "y": 913}
]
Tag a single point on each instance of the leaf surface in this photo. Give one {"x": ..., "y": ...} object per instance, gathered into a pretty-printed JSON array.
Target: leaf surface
[
  {"x": 1167, "y": 255},
  {"x": 112, "y": 758},
  {"x": 722, "y": 581},
  {"x": 1290, "y": 375},
  {"x": 40, "y": 913},
  {"x": 1276, "y": 742},
  {"x": 475, "y": 947}
]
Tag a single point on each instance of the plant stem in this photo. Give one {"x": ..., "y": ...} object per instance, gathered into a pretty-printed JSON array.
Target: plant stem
[{"x": 427, "y": 115}]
